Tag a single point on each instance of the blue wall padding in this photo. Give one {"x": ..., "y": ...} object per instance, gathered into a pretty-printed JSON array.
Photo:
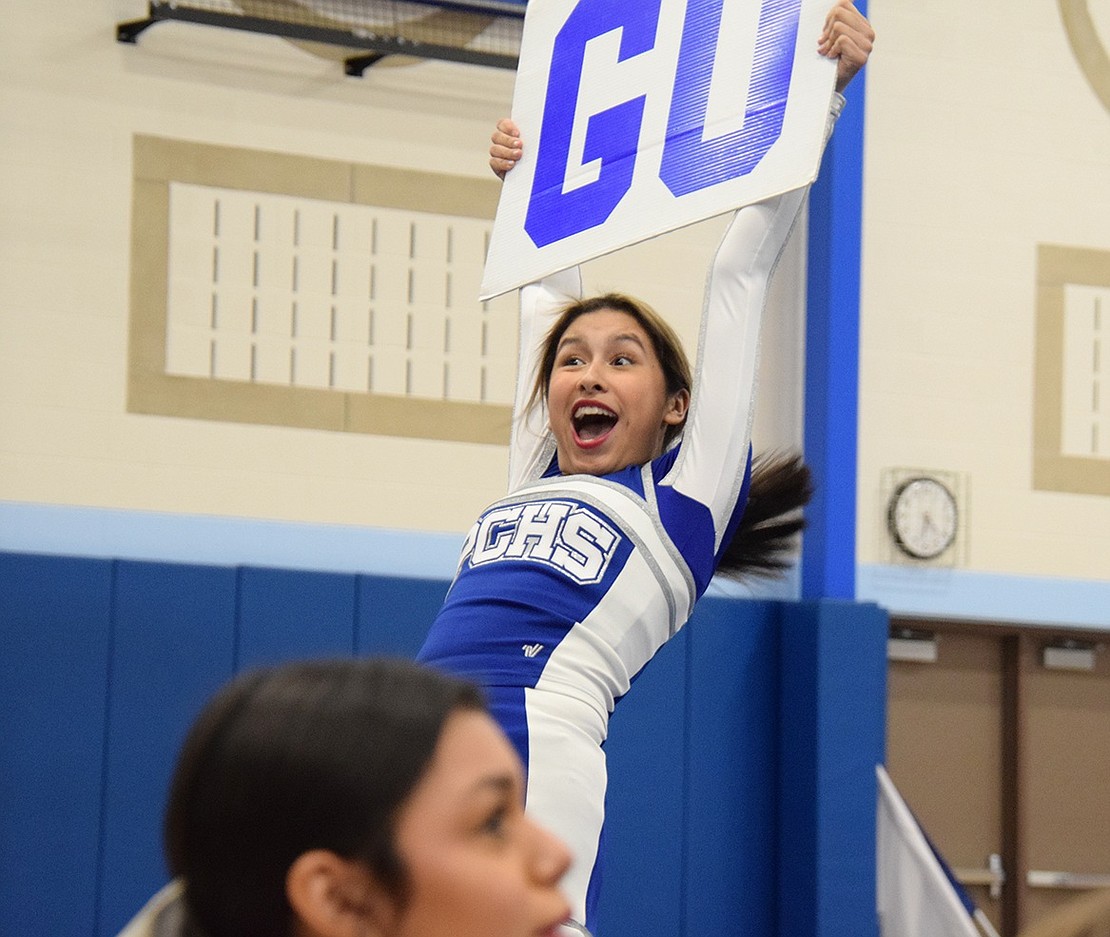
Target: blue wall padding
[
  {"x": 732, "y": 725},
  {"x": 742, "y": 786},
  {"x": 285, "y": 615},
  {"x": 832, "y": 735},
  {"x": 174, "y": 643},
  {"x": 54, "y": 622},
  {"x": 394, "y": 613},
  {"x": 645, "y": 845}
]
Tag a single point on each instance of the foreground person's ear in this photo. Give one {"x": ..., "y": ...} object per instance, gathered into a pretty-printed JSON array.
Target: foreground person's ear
[{"x": 335, "y": 897}]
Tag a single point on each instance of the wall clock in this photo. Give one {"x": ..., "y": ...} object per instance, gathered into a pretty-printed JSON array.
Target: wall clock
[{"x": 922, "y": 517}]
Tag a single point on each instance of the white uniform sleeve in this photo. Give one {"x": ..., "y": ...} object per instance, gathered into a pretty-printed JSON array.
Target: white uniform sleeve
[
  {"x": 710, "y": 465},
  {"x": 531, "y": 444}
]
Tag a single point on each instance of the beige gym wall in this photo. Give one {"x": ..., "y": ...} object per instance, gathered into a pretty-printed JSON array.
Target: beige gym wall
[
  {"x": 77, "y": 109},
  {"x": 987, "y": 144},
  {"x": 988, "y": 138}
]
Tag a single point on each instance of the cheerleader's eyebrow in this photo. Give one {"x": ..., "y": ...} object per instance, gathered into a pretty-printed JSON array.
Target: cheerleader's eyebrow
[{"x": 574, "y": 340}]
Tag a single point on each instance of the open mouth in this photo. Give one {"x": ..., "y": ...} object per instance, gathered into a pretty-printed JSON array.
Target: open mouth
[{"x": 592, "y": 423}]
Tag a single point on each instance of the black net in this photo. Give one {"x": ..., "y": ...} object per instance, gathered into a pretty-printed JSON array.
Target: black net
[{"x": 485, "y": 32}]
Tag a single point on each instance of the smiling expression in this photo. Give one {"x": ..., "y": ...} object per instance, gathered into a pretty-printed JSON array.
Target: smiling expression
[{"x": 607, "y": 400}]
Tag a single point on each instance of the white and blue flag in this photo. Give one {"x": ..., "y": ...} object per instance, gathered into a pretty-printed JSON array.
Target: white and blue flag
[{"x": 917, "y": 894}]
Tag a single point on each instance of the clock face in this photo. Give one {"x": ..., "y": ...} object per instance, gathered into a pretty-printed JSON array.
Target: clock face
[{"x": 922, "y": 517}]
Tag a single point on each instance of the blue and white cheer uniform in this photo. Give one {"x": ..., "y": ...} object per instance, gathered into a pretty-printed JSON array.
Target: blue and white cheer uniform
[{"x": 568, "y": 586}]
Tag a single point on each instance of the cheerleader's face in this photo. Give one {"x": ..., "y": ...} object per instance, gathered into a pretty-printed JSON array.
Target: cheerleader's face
[
  {"x": 477, "y": 865},
  {"x": 607, "y": 400}
]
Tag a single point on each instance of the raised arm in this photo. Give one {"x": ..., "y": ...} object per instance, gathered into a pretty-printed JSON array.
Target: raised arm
[
  {"x": 717, "y": 438},
  {"x": 531, "y": 445}
]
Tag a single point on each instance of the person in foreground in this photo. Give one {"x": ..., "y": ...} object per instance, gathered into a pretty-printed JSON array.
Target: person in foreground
[
  {"x": 631, "y": 484},
  {"x": 369, "y": 798}
]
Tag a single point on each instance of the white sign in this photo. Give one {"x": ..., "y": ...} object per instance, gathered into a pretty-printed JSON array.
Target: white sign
[{"x": 641, "y": 116}]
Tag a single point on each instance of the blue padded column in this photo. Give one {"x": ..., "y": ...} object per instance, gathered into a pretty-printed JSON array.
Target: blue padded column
[
  {"x": 832, "y": 356},
  {"x": 642, "y": 887},
  {"x": 55, "y": 622},
  {"x": 174, "y": 646},
  {"x": 292, "y": 614},
  {"x": 833, "y": 717},
  {"x": 732, "y": 768}
]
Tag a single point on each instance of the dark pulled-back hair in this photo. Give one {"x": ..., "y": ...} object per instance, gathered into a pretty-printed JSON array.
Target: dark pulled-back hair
[
  {"x": 313, "y": 755},
  {"x": 765, "y": 543}
]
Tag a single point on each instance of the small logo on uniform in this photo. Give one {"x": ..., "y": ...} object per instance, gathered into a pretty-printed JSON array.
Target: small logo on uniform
[{"x": 531, "y": 650}]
